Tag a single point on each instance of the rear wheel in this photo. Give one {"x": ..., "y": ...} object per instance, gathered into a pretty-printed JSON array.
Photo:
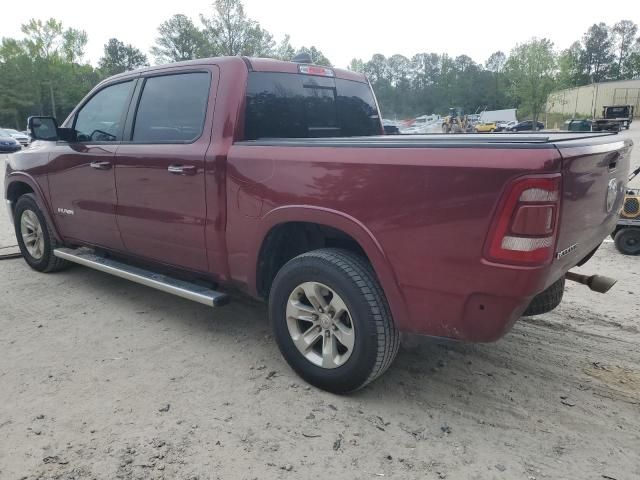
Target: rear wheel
[
  {"x": 331, "y": 320},
  {"x": 547, "y": 300},
  {"x": 34, "y": 237},
  {"x": 627, "y": 241}
]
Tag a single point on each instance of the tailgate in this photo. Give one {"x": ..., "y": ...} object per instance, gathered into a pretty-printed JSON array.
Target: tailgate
[{"x": 594, "y": 176}]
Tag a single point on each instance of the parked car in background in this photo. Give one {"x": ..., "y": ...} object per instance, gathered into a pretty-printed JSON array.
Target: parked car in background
[
  {"x": 527, "y": 125},
  {"x": 23, "y": 139},
  {"x": 390, "y": 127},
  {"x": 578, "y": 125},
  {"x": 505, "y": 126},
  {"x": 485, "y": 127},
  {"x": 420, "y": 125},
  {"x": 8, "y": 144}
]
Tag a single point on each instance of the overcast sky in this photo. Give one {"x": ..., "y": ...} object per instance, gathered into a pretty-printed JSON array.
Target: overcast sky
[{"x": 344, "y": 29}]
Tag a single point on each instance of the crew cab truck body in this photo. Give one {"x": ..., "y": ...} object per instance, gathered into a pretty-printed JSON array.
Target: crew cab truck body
[{"x": 207, "y": 170}]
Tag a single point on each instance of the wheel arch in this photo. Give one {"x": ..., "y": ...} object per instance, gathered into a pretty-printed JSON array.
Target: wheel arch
[
  {"x": 20, "y": 183},
  {"x": 350, "y": 234}
]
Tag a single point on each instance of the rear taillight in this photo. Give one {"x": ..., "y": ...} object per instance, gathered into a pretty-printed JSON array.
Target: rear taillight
[{"x": 526, "y": 224}]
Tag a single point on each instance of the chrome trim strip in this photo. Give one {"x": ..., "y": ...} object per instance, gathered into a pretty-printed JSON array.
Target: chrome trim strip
[{"x": 177, "y": 287}]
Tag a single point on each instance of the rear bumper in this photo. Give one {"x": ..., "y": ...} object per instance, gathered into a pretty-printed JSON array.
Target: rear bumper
[{"x": 475, "y": 317}]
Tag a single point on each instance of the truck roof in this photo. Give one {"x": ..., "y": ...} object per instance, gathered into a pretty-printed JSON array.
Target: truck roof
[
  {"x": 255, "y": 64},
  {"x": 272, "y": 65}
]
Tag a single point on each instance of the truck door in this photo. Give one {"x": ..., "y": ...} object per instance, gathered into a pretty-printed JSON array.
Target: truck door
[
  {"x": 160, "y": 174},
  {"x": 81, "y": 177}
]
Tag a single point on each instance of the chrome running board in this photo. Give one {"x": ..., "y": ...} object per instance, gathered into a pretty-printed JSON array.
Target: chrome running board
[{"x": 180, "y": 288}]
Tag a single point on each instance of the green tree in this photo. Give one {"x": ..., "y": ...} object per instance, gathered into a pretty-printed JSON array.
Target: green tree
[
  {"x": 598, "y": 55},
  {"x": 356, "y": 65},
  {"x": 316, "y": 55},
  {"x": 632, "y": 62},
  {"x": 284, "y": 50},
  {"x": 43, "y": 39},
  {"x": 571, "y": 67},
  {"x": 530, "y": 71},
  {"x": 42, "y": 73},
  {"x": 73, "y": 44},
  {"x": 179, "y": 39},
  {"x": 230, "y": 32},
  {"x": 495, "y": 67},
  {"x": 119, "y": 58},
  {"x": 624, "y": 33}
]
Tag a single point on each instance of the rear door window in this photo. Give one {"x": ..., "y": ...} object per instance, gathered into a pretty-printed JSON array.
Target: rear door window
[
  {"x": 285, "y": 105},
  {"x": 172, "y": 108}
]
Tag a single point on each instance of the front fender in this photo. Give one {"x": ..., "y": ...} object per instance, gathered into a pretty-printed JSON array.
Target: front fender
[
  {"x": 13, "y": 177},
  {"x": 345, "y": 223}
]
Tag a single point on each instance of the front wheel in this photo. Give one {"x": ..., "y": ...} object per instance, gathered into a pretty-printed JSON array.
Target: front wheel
[
  {"x": 34, "y": 237},
  {"x": 331, "y": 320},
  {"x": 627, "y": 241}
]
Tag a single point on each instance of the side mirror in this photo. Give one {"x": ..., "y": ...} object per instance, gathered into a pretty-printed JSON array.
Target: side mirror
[
  {"x": 43, "y": 128},
  {"x": 46, "y": 128}
]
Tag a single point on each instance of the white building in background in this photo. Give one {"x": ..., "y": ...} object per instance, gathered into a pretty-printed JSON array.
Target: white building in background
[
  {"x": 506, "y": 115},
  {"x": 587, "y": 101}
]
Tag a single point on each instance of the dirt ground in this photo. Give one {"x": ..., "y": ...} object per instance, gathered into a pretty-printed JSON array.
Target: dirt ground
[{"x": 101, "y": 378}]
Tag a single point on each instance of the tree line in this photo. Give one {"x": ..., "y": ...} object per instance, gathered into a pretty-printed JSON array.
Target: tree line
[
  {"x": 523, "y": 78},
  {"x": 46, "y": 73}
]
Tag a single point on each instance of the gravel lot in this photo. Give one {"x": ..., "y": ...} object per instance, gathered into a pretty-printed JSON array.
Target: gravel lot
[{"x": 101, "y": 378}]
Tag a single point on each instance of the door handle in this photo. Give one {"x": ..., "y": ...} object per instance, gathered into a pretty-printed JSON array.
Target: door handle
[
  {"x": 100, "y": 165},
  {"x": 182, "y": 169}
]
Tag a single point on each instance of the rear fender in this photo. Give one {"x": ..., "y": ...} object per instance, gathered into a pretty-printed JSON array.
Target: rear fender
[{"x": 347, "y": 224}]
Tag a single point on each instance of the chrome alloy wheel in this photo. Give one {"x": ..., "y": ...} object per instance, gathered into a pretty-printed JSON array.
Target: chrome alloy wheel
[
  {"x": 320, "y": 325},
  {"x": 32, "y": 234}
]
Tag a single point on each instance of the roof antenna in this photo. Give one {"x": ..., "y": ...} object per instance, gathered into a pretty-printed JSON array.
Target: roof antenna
[{"x": 302, "y": 57}]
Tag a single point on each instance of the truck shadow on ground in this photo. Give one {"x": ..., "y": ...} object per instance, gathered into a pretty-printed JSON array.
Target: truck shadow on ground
[
  {"x": 518, "y": 370},
  {"x": 433, "y": 370}
]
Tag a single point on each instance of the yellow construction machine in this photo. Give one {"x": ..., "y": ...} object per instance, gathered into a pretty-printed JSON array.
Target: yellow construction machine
[{"x": 456, "y": 122}]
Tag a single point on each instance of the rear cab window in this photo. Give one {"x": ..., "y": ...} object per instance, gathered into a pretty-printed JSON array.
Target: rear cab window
[{"x": 293, "y": 105}]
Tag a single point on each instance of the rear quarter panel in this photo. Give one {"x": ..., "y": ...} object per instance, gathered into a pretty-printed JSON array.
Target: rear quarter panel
[{"x": 427, "y": 210}]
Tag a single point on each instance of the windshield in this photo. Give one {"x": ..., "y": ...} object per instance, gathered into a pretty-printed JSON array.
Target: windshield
[{"x": 285, "y": 105}]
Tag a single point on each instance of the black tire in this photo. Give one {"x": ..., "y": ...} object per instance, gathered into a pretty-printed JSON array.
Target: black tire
[
  {"x": 352, "y": 278},
  {"x": 546, "y": 301},
  {"x": 627, "y": 241},
  {"x": 48, "y": 262}
]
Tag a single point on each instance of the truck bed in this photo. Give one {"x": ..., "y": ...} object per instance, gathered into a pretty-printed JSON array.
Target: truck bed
[{"x": 494, "y": 140}]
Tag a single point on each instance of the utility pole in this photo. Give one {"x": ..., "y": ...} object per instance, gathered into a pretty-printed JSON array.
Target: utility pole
[{"x": 53, "y": 100}]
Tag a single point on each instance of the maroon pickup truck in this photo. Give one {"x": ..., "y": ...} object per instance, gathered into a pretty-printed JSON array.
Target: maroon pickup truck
[{"x": 274, "y": 178}]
